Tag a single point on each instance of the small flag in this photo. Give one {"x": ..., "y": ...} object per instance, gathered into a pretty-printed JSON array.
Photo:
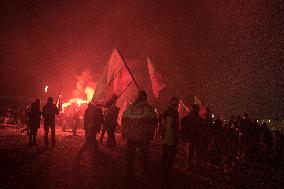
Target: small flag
[
  {"x": 202, "y": 110},
  {"x": 158, "y": 81},
  {"x": 183, "y": 110}
]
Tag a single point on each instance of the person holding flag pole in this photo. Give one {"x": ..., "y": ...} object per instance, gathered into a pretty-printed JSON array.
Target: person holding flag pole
[{"x": 138, "y": 118}]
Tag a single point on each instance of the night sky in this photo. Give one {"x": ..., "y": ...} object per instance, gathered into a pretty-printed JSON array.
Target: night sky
[{"x": 229, "y": 53}]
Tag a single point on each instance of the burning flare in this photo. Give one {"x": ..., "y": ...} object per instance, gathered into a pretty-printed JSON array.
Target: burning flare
[
  {"x": 45, "y": 89},
  {"x": 89, "y": 91}
]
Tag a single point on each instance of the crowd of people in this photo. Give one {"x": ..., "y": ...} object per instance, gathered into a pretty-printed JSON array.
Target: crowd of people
[
  {"x": 12, "y": 115},
  {"x": 228, "y": 144},
  {"x": 209, "y": 141},
  {"x": 71, "y": 118}
]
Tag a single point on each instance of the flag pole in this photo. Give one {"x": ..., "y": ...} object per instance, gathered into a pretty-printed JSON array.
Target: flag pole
[
  {"x": 121, "y": 93},
  {"x": 184, "y": 105},
  {"x": 129, "y": 99},
  {"x": 58, "y": 96},
  {"x": 129, "y": 70}
]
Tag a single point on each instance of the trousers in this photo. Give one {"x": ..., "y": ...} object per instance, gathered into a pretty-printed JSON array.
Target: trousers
[
  {"x": 132, "y": 146},
  {"x": 48, "y": 126}
]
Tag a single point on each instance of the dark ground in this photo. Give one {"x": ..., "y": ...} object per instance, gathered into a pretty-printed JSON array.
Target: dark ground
[{"x": 70, "y": 165}]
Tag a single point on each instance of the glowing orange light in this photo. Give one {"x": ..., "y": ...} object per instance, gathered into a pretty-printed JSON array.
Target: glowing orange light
[
  {"x": 45, "y": 89},
  {"x": 89, "y": 91}
]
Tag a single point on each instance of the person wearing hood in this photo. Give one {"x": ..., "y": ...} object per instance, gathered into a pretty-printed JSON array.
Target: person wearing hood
[
  {"x": 93, "y": 119},
  {"x": 138, "y": 125}
]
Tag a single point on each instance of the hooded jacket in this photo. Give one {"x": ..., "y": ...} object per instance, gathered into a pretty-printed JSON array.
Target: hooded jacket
[{"x": 138, "y": 122}]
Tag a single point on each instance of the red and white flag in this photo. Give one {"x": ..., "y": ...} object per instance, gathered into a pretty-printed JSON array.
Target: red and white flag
[
  {"x": 122, "y": 110},
  {"x": 158, "y": 81},
  {"x": 114, "y": 80},
  {"x": 183, "y": 110},
  {"x": 202, "y": 110},
  {"x": 118, "y": 73}
]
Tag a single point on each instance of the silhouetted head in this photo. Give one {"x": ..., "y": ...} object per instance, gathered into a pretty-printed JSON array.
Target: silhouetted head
[
  {"x": 246, "y": 115},
  {"x": 174, "y": 101},
  {"x": 142, "y": 97},
  {"x": 90, "y": 105},
  {"x": 37, "y": 101},
  {"x": 50, "y": 100}
]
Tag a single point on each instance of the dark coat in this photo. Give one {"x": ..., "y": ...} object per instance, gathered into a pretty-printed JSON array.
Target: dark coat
[
  {"x": 111, "y": 117},
  {"x": 49, "y": 111},
  {"x": 191, "y": 128},
  {"x": 172, "y": 112},
  {"x": 34, "y": 115},
  {"x": 93, "y": 119}
]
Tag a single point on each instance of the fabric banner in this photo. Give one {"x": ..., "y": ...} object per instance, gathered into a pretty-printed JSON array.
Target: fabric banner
[
  {"x": 113, "y": 82},
  {"x": 183, "y": 110},
  {"x": 202, "y": 110},
  {"x": 157, "y": 80}
]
